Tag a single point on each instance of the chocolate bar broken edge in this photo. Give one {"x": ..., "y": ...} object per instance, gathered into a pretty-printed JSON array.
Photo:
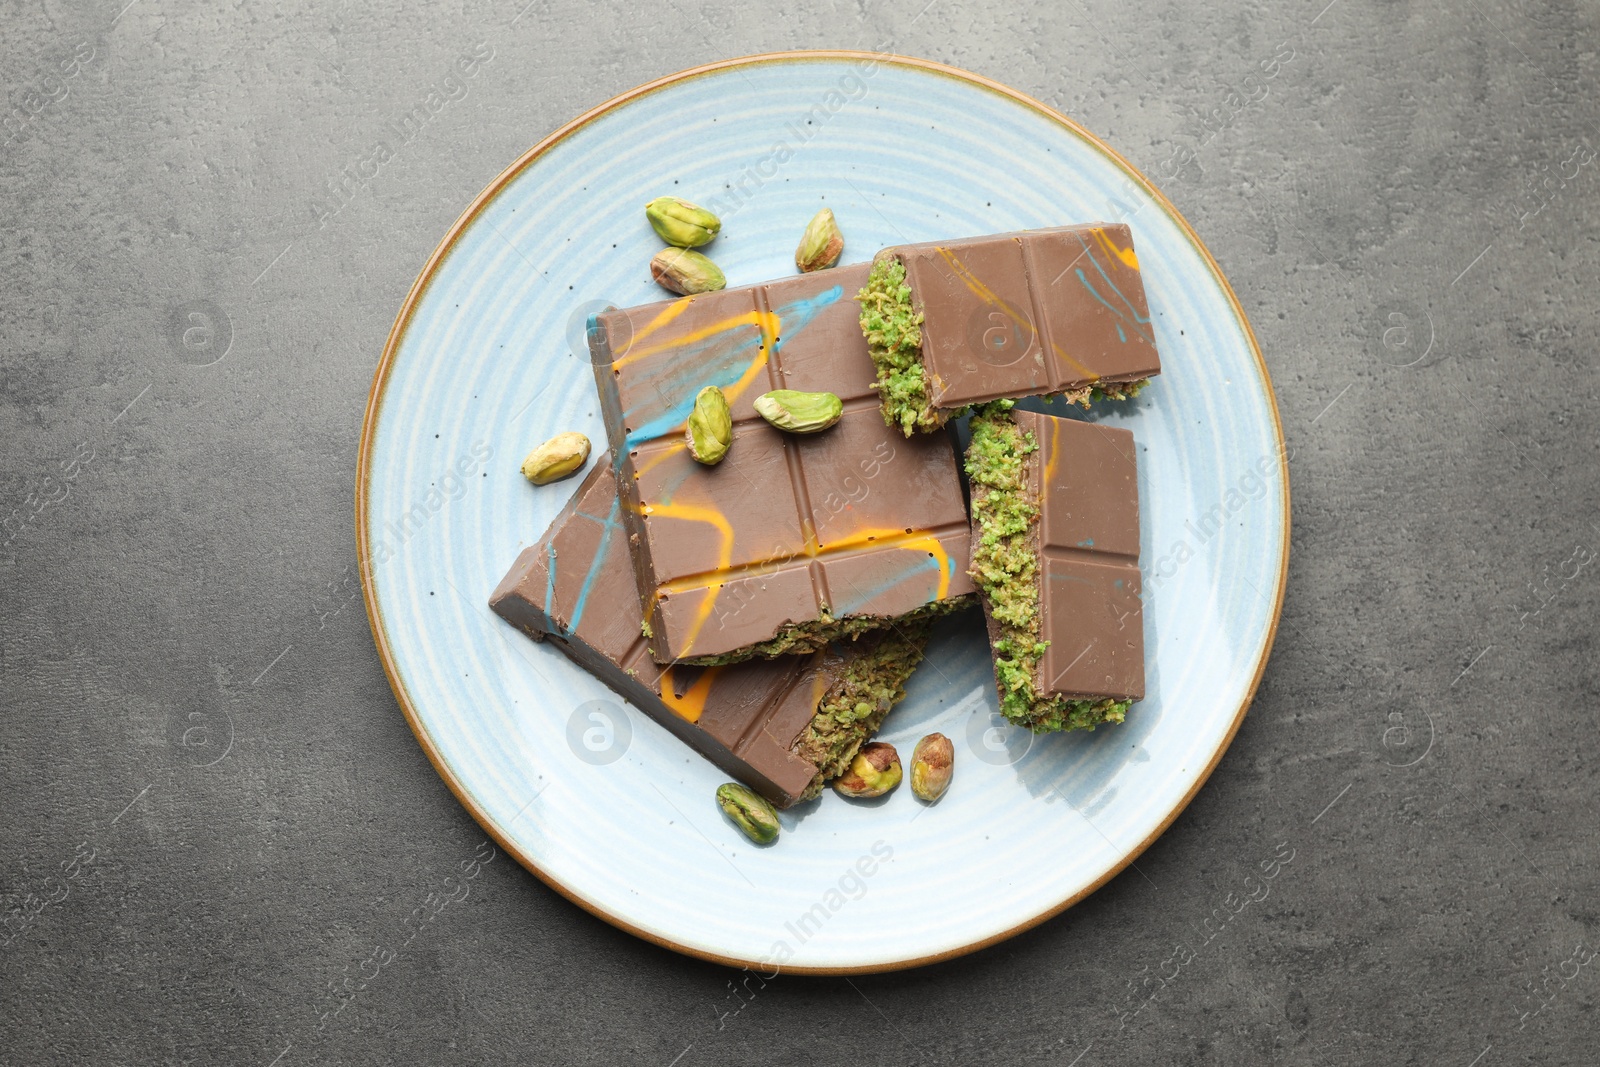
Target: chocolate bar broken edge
[
  {"x": 892, "y": 315},
  {"x": 1006, "y": 507},
  {"x": 811, "y": 636}
]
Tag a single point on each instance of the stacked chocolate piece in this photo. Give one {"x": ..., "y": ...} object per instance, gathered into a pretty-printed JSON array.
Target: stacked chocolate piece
[
  {"x": 769, "y": 609},
  {"x": 792, "y": 540},
  {"x": 782, "y": 725}
]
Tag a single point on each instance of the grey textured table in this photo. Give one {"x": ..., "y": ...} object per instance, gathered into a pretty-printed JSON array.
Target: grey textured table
[{"x": 214, "y": 810}]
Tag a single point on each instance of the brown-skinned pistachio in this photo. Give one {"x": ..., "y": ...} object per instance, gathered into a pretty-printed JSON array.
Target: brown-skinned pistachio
[
  {"x": 874, "y": 772},
  {"x": 932, "y": 765}
]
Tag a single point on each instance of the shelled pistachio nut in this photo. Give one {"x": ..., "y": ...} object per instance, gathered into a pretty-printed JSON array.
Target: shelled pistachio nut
[
  {"x": 874, "y": 771},
  {"x": 797, "y": 412},
  {"x": 821, "y": 245},
  {"x": 686, "y": 272},
  {"x": 709, "y": 428},
  {"x": 563, "y": 454},
  {"x": 749, "y": 811},
  {"x": 932, "y": 765},
  {"x": 681, "y": 223}
]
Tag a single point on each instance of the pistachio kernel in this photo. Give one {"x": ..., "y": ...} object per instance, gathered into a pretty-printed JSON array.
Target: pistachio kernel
[
  {"x": 874, "y": 772},
  {"x": 709, "y": 428},
  {"x": 563, "y": 454},
  {"x": 821, "y": 245},
  {"x": 797, "y": 412},
  {"x": 749, "y": 811},
  {"x": 932, "y": 766},
  {"x": 686, "y": 272},
  {"x": 680, "y": 223}
]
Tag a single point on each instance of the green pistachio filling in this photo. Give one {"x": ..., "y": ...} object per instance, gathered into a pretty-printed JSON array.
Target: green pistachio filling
[
  {"x": 1105, "y": 391},
  {"x": 1005, "y": 568},
  {"x": 804, "y": 637},
  {"x": 893, "y": 328},
  {"x": 852, "y": 710}
]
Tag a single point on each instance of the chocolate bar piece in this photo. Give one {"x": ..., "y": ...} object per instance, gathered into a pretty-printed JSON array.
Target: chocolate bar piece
[
  {"x": 793, "y": 540},
  {"x": 1055, "y": 535},
  {"x": 782, "y": 726},
  {"x": 955, "y": 323}
]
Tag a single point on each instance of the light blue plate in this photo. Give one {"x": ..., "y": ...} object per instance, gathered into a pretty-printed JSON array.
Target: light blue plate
[{"x": 487, "y": 359}]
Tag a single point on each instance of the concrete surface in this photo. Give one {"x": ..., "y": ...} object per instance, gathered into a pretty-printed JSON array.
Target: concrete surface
[{"x": 214, "y": 810}]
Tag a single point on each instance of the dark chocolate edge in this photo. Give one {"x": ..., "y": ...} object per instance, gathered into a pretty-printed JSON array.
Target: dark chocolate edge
[
  {"x": 602, "y": 358},
  {"x": 518, "y": 612}
]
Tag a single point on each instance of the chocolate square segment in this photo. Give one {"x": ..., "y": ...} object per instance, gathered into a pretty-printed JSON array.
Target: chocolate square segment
[
  {"x": 789, "y": 530},
  {"x": 1086, "y": 480},
  {"x": 1030, "y": 313},
  {"x": 575, "y": 589},
  {"x": 691, "y": 500}
]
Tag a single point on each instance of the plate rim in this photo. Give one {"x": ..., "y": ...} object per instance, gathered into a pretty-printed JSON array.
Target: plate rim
[{"x": 391, "y": 348}]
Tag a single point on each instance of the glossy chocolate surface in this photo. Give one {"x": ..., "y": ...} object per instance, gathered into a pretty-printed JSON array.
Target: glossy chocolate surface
[
  {"x": 576, "y": 589},
  {"x": 855, "y": 520},
  {"x": 1029, "y": 313},
  {"x": 1086, "y": 479}
]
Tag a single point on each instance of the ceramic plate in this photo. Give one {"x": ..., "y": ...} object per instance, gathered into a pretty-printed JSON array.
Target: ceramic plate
[{"x": 487, "y": 358}]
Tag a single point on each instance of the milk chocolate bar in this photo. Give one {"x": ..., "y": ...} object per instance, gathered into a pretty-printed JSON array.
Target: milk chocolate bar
[
  {"x": 1055, "y": 534},
  {"x": 781, "y": 726},
  {"x": 792, "y": 541},
  {"x": 1036, "y": 312}
]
